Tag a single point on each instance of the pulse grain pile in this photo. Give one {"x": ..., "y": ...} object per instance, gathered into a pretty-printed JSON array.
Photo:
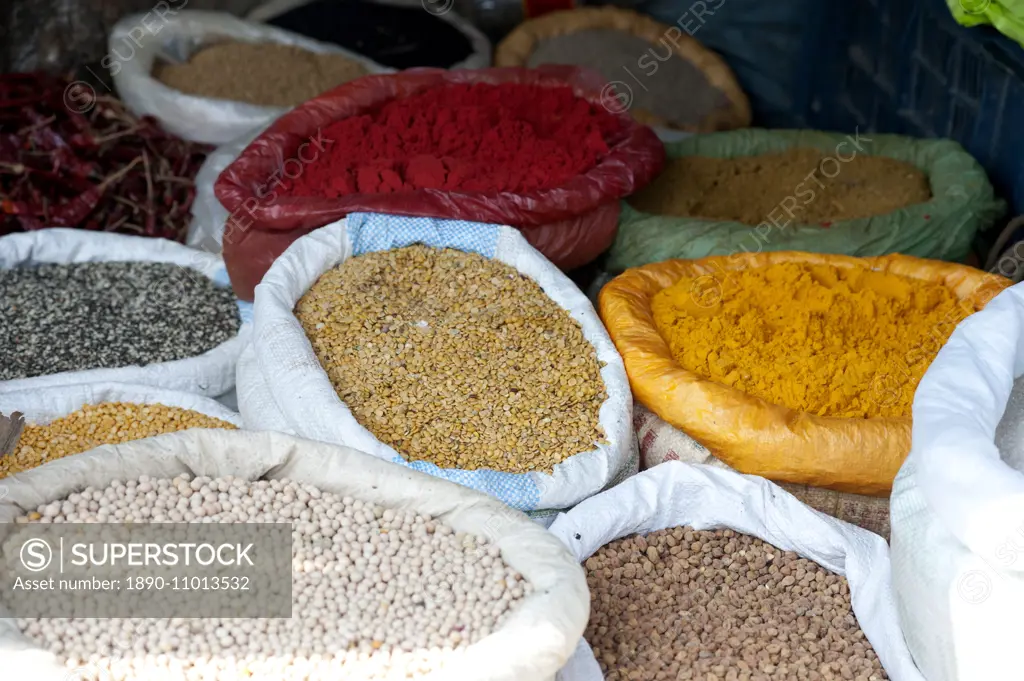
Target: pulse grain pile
[
  {"x": 377, "y": 593},
  {"x": 265, "y": 74},
  {"x": 687, "y": 604},
  {"x": 456, "y": 359},
  {"x": 109, "y": 423},
  {"x": 73, "y": 317},
  {"x": 750, "y": 189}
]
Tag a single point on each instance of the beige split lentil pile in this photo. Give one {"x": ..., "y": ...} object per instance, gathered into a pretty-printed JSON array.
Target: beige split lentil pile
[
  {"x": 456, "y": 359},
  {"x": 93, "y": 425},
  {"x": 721, "y": 606}
]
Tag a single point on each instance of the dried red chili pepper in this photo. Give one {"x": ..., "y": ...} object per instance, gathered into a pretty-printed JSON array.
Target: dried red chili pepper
[{"x": 101, "y": 169}]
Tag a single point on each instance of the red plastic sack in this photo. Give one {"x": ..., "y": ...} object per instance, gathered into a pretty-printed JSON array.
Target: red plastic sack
[{"x": 571, "y": 225}]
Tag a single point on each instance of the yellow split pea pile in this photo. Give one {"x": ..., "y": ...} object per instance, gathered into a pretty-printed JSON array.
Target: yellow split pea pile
[
  {"x": 91, "y": 426},
  {"x": 721, "y": 606},
  {"x": 456, "y": 359}
]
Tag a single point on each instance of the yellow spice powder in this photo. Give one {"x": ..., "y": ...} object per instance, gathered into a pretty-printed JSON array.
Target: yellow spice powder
[
  {"x": 831, "y": 341},
  {"x": 100, "y": 424}
]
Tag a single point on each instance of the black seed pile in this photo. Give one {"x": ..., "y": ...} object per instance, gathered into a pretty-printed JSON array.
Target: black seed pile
[
  {"x": 56, "y": 318},
  {"x": 391, "y": 35}
]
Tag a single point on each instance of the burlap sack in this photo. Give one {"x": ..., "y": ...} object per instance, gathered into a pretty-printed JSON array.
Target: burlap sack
[
  {"x": 660, "y": 442},
  {"x": 515, "y": 50}
]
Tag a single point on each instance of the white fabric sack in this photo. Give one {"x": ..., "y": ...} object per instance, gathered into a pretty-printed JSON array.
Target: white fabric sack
[
  {"x": 480, "y": 46},
  {"x": 706, "y": 498},
  {"x": 297, "y": 396},
  {"x": 45, "y": 405},
  {"x": 209, "y": 216},
  {"x": 138, "y": 40},
  {"x": 532, "y": 645},
  {"x": 957, "y": 508},
  {"x": 211, "y": 373}
]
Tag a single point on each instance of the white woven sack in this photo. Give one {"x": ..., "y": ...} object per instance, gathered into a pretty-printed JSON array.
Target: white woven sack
[
  {"x": 957, "y": 509},
  {"x": 298, "y": 393},
  {"x": 209, "y": 216},
  {"x": 706, "y": 498},
  {"x": 532, "y": 645},
  {"x": 44, "y": 405},
  {"x": 480, "y": 46},
  {"x": 211, "y": 373},
  {"x": 138, "y": 40}
]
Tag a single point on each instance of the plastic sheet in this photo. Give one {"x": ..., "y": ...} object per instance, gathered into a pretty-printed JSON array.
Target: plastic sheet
[{"x": 570, "y": 224}]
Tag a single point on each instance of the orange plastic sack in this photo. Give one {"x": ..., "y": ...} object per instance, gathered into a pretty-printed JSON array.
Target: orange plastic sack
[{"x": 859, "y": 456}]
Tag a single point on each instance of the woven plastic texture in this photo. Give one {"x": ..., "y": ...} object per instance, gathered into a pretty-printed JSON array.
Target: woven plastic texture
[{"x": 906, "y": 67}]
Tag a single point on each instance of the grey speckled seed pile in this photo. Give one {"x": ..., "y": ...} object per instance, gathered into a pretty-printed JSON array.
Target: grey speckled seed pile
[
  {"x": 56, "y": 318},
  {"x": 1010, "y": 432},
  {"x": 655, "y": 78}
]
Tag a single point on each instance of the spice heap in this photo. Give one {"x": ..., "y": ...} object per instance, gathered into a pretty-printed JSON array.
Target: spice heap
[
  {"x": 687, "y": 604},
  {"x": 394, "y": 594},
  {"x": 56, "y": 318},
  {"x": 389, "y": 34},
  {"x": 757, "y": 189},
  {"x": 69, "y": 158},
  {"x": 832, "y": 341},
  {"x": 109, "y": 423},
  {"x": 676, "y": 90},
  {"x": 456, "y": 359},
  {"x": 266, "y": 74},
  {"x": 479, "y": 138}
]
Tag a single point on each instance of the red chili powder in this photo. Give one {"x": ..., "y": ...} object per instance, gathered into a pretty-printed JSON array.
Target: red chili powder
[{"x": 482, "y": 138}]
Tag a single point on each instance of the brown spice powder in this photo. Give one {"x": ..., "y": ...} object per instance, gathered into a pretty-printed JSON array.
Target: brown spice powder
[
  {"x": 266, "y": 74},
  {"x": 752, "y": 189}
]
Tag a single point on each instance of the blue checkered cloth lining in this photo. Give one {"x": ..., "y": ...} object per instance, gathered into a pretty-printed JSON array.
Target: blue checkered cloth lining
[
  {"x": 374, "y": 232},
  {"x": 517, "y": 490}
]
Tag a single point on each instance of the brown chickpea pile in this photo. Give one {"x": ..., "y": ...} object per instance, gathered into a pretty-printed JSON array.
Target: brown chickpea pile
[
  {"x": 99, "y": 424},
  {"x": 456, "y": 359},
  {"x": 721, "y": 606}
]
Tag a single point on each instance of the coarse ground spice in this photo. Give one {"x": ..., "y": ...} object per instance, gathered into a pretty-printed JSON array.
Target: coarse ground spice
[
  {"x": 377, "y": 593},
  {"x": 456, "y": 359},
  {"x": 831, "y": 341},
  {"x": 267, "y": 74},
  {"x": 93, "y": 425},
  {"x": 675, "y": 90},
  {"x": 392, "y": 35},
  {"x": 73, "y": 317},
  {"x": 752, "y": 189},
  {"x": 718, "y": 605},
  {"x": 486, "y": 138}
]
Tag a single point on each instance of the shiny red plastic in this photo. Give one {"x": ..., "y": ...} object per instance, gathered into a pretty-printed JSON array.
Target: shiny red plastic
[{"x": 571, "y": 224}]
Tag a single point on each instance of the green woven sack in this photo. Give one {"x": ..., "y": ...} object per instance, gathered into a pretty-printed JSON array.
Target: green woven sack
[{"x": 943, "y": 228}]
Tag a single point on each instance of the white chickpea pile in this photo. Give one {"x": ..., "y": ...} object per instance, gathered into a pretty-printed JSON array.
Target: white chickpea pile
[{"x": 377, "y": 593}]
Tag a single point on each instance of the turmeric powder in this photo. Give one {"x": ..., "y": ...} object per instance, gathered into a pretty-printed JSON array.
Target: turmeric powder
[{"x": 831, "y": 341}]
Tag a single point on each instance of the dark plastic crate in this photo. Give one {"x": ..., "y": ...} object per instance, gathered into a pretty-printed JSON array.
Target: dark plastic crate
[{"x": 906, "y": 67}]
